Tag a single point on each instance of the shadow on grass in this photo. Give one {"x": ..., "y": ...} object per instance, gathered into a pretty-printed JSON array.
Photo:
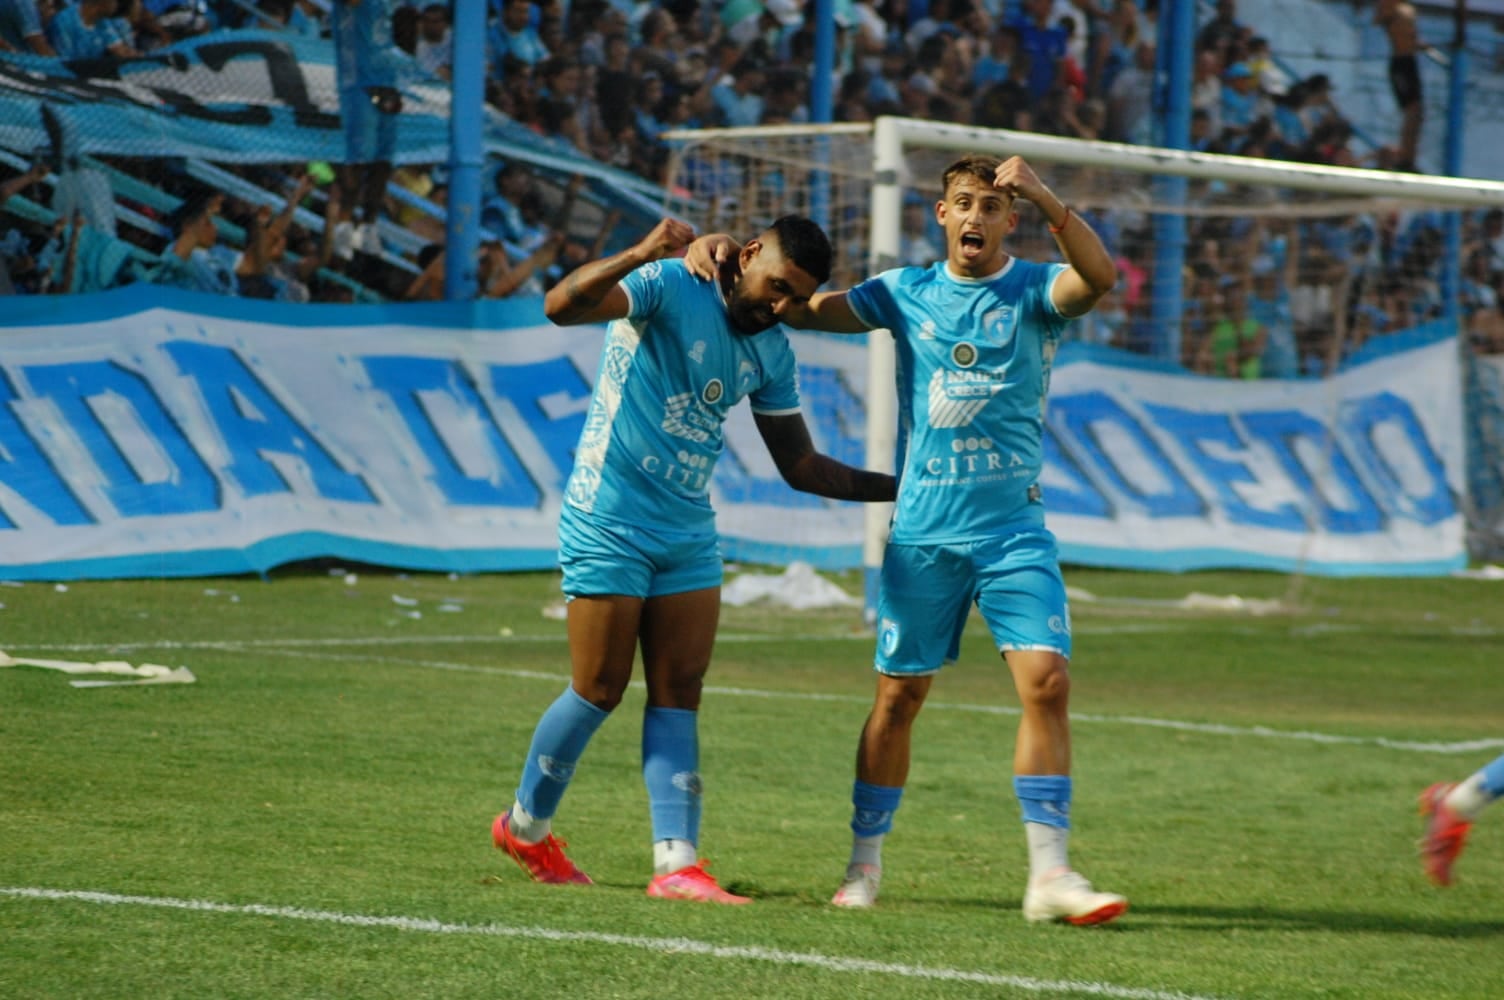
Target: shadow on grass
[{"x": 1223, "y": 918}]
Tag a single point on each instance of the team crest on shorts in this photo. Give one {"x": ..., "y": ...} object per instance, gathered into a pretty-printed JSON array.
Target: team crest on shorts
[
  {"x": 713, "y": 391},
  {"x": 887, "y": 637},
  {"x": 964, "y": 355}
]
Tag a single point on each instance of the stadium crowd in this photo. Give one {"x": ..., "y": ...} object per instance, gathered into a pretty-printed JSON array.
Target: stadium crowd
[{"x": 606, "y": 79}]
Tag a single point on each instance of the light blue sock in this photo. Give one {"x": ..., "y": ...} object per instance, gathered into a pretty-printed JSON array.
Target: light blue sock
[
  {"x": 558, "y": 741},
  {"x": 872, "y": 808},
  {"x": 1044, "y": 798},
  {"x": 671, "y": 772},
  {"x": 1493, "y": 777}
]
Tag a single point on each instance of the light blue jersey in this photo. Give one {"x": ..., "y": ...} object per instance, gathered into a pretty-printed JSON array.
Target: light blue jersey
[
  {"x": 973, "y": 359},
  {"x": 670, "y": 373}
]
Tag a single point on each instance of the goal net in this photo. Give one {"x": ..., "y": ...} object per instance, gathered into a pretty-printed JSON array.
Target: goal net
[{"x": 1299, "y": 369}]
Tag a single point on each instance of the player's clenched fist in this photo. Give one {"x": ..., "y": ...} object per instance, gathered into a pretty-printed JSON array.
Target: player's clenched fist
[{"x": 667, "y": 238}]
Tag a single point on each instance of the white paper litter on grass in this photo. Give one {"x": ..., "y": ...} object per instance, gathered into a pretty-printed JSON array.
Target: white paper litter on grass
[
  {"x": 798, "y": 587},
  {"x": 1488, "y": 572},
  {"x": 145, "y": 673}
]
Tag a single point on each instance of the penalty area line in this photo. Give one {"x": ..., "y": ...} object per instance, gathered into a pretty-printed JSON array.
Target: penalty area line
[{"x": 661, "y": 945}]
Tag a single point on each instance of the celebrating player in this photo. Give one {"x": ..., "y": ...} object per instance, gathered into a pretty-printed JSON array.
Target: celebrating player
[
  {"x": 637, "y": 536},
  {"x": 976, "y": 334}
]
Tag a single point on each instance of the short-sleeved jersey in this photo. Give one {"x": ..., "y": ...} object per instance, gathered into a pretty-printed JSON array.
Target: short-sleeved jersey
[
  {"x": 670, "y": 373},
  {"x": 973, "y": 358}
]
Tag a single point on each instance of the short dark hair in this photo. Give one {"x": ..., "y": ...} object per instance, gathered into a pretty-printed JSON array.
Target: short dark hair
[
  {"x": 193, "y": 208},
  {"x": 983, "y": 168},
  {"x": 803, "y": 241}
]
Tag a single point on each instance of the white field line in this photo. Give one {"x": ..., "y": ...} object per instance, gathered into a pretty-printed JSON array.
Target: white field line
[
  {"x": 309, "y": 648},
  {"x": 1205, "y": 728},
  {"x": 662, "y": 945}
]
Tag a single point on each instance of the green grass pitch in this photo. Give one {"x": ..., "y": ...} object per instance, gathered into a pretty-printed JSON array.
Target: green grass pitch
[{"x": 311, "y": 818}]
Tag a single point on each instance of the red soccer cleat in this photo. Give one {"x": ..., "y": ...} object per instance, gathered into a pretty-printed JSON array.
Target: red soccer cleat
[
  {"x": 1445, "y": 836},
  {"x": 544, "y": 861}
]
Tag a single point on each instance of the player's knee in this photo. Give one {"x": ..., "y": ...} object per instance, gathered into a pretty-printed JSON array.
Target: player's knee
[
  {"x": 679, "y": 688},
  {"x": 1049, "y": 689}
]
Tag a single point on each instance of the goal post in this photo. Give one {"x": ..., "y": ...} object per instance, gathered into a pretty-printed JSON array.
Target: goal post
[{"x": 1351, "y": 253}]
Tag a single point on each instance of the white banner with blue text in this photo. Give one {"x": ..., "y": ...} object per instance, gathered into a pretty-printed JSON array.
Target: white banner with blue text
[{"x": 149, "y": 432}]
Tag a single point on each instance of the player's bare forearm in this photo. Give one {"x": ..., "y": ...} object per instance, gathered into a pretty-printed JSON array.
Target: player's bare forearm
[
  {"x": 825, "y": 477},
  {"x": 571, "y": 300},
  {"x": 582, "y": 296},
  {"x": 808, "y": 471}
]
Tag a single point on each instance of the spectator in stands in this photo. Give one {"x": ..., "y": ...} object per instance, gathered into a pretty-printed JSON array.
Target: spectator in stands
[
  {"x": 88, "y": 29},
  {"x": 1398, "y": 20},
  {"x": 264, "y": 270},
  {"x": 190, "y": 261},
  {"x": 434, "y": 51},
  {"x": 1219, "y": 33},
  {"x": 1112, "y": 47},
  {"x": 515, "y": 35},
  {"x": 367, "y": 69},
  {"x": 917, "y": 246},
  {"x": 991, "y": 66},
  {"x": 500, "y": 213},
  {"x": 495, "y": 276},
  {"x": 21, "y": 28},
  {"x": 81, "y": 185},
  {"x": 1130, "y": 103},
  {"x": 1007, "y": 104},
  {"x": 1242, "y": 104},
  {"x": 301, "y": 17},
  {"x": 738, "y": 98},
  {"x": 1237, "y": 339},
  {"x": 1044, "y": 43},
  {"x": 1206, "y": 87},
  {"x": 18, "y": 266}
]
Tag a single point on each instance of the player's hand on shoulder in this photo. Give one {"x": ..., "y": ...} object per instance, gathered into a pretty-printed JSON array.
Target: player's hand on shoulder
[
  {"x": 711, "y": 254},
  {"x": 1015, "y": 176},
  {"x": 666, "y": 239}
]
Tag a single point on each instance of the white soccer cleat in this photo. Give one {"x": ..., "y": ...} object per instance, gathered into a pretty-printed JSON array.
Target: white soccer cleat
[
  {"x": 1068, "y": 896},
  {"x": 859, "y": 890}
]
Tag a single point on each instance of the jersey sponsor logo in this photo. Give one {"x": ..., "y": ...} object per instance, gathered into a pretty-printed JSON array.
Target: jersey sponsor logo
[
  {"x": 689, "y": 471},
  {"x": 746, "y": 376},
  {"x": 683, "y": 418},
  {"x": 712, "y": 392},
  {"x": 998, "y": 325},
  {"x": 957, "y": 397},
  {"x": 964, "y": 355}
]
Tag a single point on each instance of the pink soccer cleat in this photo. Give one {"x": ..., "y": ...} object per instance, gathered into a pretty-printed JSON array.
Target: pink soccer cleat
[
  {"x": 544, "y": 861},
  {"x": 694, "y": 883}
]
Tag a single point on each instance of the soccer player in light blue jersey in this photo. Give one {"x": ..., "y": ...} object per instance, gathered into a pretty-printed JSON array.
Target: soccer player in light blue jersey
[
  {"x": 637, "y": 535},
  {"x": 975, "y": 336},
  {"x": 1450, "y": 810}
]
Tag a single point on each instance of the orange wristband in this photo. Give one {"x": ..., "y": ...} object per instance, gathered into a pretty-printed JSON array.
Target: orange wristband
[{"x": 1063, "y": 222}]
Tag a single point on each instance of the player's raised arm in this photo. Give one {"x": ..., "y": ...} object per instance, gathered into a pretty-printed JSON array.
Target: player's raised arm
[
  {"x": 591, "y": 293},
  {"x": 808, "y": 471},
  {"x": 714, "y": 253},
  {"x": 1092, "y": 272}
]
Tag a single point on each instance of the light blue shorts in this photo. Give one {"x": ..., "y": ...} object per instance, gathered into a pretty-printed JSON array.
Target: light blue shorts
[
  {"x": 927, "y": 592},
  {"x": 605, "y": 556}
]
